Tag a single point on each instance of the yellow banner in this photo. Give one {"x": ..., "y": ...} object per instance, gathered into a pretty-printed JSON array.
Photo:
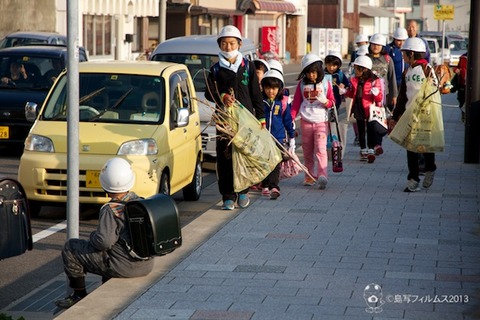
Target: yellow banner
[{"x": 443, "y": 12}]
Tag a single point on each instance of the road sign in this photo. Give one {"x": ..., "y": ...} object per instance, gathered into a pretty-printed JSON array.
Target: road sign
[{"x": 443, "y": 12}]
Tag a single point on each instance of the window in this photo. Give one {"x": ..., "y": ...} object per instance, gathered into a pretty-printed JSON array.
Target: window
[
  {"x": 180, "y": 96},
  {"x": 97, "y": 34}
]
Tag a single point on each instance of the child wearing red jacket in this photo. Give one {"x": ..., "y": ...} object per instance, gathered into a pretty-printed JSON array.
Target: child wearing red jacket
[{"x": 365, "y": 90}]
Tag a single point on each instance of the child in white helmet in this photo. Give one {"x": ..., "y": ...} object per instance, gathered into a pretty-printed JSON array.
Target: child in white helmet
[
  {"x": 399, "y": 37},
  {"x": 105, "y": 253},
  {"x": 279, "y": 123},
  {"x": 419, "y": 70},
  {"x": 365, "y": 90},
  {"x": 261, "y": 66},
  {"x": 384, "y": 69},
  {"x": 313, "y": 96},
  {"x": 232, "y": 78}
]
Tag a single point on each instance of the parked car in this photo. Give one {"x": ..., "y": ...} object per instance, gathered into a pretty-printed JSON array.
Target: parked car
[
  {"x": 436, "y": 53},
  {"x": 142, "y": 111},
  {"x": 199, "y": 53},
  {"x": 454, "y": 42},
  {"x": 24, "y": 38},
  {"x": 42, "y": 64}
]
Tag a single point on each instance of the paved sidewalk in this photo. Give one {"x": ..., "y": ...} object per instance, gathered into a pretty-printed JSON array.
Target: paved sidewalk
[{"x": 312, "y": 253}]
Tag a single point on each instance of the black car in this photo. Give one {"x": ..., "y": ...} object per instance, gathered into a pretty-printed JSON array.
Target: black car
[
  {"x": 26, "y": 75},
  {"x": 23, "y": 38}
]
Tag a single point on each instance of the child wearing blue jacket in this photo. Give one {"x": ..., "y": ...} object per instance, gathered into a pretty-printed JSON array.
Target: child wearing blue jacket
[{"x": 279, "y": 122}]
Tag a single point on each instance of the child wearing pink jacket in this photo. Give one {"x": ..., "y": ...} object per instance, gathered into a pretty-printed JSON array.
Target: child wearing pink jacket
[
  {"x": 366, "y": 89},
  {"x": 313, "y": 97}
]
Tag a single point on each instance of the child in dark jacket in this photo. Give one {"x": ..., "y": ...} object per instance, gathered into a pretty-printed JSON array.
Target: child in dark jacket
[
  {"x": 340, "y": 83},
  {"x": 279, "y": 122}
]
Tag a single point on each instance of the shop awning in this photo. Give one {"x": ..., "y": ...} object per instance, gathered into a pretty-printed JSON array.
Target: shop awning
[
  {"x": 267, "y": 5},
  {"x": 370, "y": 11}
]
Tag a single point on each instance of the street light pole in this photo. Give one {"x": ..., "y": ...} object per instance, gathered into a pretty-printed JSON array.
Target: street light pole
[{"x": 472, "y": 90}]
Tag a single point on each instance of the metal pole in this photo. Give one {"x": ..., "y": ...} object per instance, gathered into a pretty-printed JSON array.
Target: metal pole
[
  {"x": 442, "y": 50},
  {"x": 162, "y": 21},
  {"x": 472, "y": 93},
  {"x": 72, "y": 121}
]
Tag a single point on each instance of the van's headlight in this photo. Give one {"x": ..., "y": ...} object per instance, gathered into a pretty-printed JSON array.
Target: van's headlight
[
  {"x": 38, "y": 143},
  {"x": 138, "y": 147}
]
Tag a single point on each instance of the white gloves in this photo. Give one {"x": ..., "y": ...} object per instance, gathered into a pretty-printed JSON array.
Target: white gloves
[
  {"x": 342, "y": 91},
  {"x": 321, "y": 97},
  {"x": 291, "y": 145},
  {"x": 375, "y": 91}
]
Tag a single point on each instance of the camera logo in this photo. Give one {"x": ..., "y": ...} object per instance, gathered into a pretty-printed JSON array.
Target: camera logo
[{"x": 373, "y": 296}]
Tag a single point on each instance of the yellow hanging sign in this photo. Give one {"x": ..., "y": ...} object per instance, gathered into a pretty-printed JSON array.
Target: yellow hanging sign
[{"x": 443, "y": 12}]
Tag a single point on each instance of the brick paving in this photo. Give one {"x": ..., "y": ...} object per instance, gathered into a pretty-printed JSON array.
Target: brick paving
[{"x": 312, "y": 253}]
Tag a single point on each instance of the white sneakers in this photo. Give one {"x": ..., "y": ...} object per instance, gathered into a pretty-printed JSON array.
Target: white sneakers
[
  {"x": 413, "y": 185},
  {"x": 428, "y": 180}
]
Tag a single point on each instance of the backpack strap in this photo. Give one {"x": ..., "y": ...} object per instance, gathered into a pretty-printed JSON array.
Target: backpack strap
[
  {"x": 117, "y": 205},
  {"x": 284, "y": 104}
]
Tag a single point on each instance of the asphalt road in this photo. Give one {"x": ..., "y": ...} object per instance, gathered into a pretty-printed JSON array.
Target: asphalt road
[{"x": 22, "y": 274}]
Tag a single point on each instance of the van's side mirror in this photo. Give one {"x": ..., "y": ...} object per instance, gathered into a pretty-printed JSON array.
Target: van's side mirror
[
  {"x": 31, "y": 111},
  {"x": 182, "y": 117},
  {"x": 451, "y": 46}
]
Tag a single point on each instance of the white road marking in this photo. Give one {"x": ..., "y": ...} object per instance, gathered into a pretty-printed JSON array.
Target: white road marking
[{"x": 45, "y": 233}]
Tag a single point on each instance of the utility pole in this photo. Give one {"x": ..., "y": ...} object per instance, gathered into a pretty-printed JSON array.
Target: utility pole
[
  {"x": 472, "y": 93},
  {"x": 72, "y": 121},
  {"x": 162, "y": 21}
]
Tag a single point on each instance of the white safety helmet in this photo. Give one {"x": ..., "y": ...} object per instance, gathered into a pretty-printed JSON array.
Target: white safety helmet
[
  {"x": 265, "y": 63},
  {"x": 400, "y": 34},
  {"x": 274, "y": 74},
  {"x": 379, "y": 39},
  {"x": 414, "y": 44},
  {"x": 335, "y": 54},
  {"x": 229, "y": 31},
  {"x": 275, "y": 65},
  {"x": 117, "y": 176},
  {"x": 362, "y": 50},
  {"x": 363, "y": 61},
  {"x": 361, "y": 38},
  {"x": 309, "y": 59}
]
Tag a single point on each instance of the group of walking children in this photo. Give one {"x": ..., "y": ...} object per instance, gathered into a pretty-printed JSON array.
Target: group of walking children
[{"x": 319, "y": 89}]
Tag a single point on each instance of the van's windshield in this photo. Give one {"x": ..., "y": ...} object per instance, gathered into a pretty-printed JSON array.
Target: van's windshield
[
  {"x": 120, "y": 98},
  {"x": 196, "y": 64}
]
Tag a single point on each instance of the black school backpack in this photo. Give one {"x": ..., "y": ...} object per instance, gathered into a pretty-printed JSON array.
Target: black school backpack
[
  {"x": 154, "y": 226},
  {"x": 15, "y": 228}
]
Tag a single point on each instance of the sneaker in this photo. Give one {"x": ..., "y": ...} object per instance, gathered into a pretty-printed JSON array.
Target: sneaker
[
  {"x": 428, "y": 180},
  {"x": 228, "y": 205},
  {"x": 378, "y": 150},
  {"x": 265, "y": 192},
  {"x": 243, "y": 200},
  {"x": 371, "y": 156},
  {"x": 322, "y": 183},
  {"x": 274, "y": 194},
  {"x": 257, "y": 187},
  {"x": 363, "y": 155},
  {"x": 308, "y": 182},
  {"x": 69, "y": 301},
  {"x": 412, "y": 186}
]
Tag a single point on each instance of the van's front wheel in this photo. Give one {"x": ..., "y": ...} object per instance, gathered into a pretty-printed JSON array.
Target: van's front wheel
[
  {"x": 194, "y": 189},
  {"x": 164, "y": 187}
]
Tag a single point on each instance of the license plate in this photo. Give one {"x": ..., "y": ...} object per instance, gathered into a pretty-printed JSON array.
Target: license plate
[
  {"x": 4, "y": 133},
  {"x": 92, "y": 179}
]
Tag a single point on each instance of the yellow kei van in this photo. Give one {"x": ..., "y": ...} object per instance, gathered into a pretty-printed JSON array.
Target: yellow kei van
[{"x": 143, "y": 111}]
